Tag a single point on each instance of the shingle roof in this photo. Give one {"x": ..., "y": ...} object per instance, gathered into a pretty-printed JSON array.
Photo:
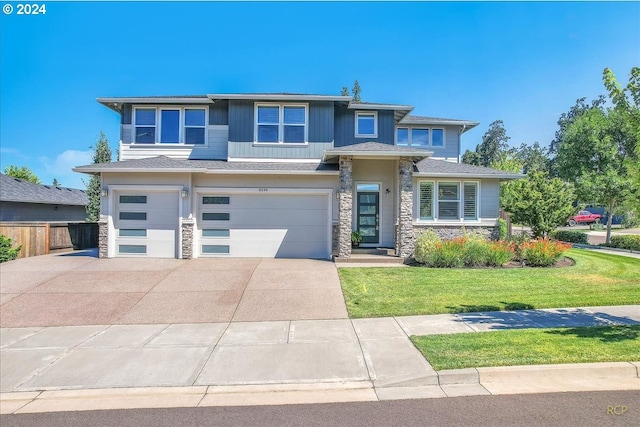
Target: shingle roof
[
  {"x": 16, "y": 190},
  {"x": 433, "y": 167},
  {"x": 376, "y": 147},
  {"x": 163, "y": 163},
  {"x": 411, "y": 119}
]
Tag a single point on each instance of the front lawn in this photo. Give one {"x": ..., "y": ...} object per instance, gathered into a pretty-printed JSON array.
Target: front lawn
[
  {"x": 596, "y": 279},
  {"x": 531, "y": 347}
]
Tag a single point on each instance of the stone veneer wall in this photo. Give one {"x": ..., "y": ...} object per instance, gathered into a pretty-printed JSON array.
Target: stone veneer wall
[
  {"x": 187, "y": 227},
  {"x": 404, "y": 236},
  {"x": 103, "y": 238},
  {"x": 345, "y": 205},
  {"x": 448, "y": 232},
  {"x": 335, "y": 230}
]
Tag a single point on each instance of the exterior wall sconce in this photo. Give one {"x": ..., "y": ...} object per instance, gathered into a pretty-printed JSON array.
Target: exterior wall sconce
[
  {"x": 184, "y": 193},
  {"x": 387, "y": 191},
  {"x": 104, "y": 192}
]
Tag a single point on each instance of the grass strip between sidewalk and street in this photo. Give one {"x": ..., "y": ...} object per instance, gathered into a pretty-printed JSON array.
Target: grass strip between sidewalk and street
[
  {"x": 531, "y": 347},
  {"x": 596, "y": 279}
]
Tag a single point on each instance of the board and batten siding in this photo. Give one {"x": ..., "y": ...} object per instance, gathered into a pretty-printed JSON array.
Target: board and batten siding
[
  {"x": 215, "y": 149},
  {"x": 242, "y": 125},
  {"x": 345, "y": 127}
]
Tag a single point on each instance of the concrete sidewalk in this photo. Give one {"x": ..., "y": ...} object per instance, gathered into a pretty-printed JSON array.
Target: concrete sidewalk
[{"x": 305, "y": 361}]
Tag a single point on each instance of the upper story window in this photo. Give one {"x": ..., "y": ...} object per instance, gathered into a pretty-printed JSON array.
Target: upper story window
[
  {"x": 281, "y": 123},
  {"x": 366, "y": 124},
  {"x": 420, "y": 137},
  {"x": 170, "y": 125}
]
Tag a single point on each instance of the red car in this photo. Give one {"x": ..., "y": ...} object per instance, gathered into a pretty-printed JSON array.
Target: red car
[{"x": 584, "y": 217}]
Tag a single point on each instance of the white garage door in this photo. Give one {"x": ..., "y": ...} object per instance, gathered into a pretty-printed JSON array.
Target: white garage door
[
  {"x": 263, "y": 225},
  {"x": 146, "y": 224}
]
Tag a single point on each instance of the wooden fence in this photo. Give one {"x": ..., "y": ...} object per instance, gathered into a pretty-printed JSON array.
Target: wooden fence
[
  {"x": 505, "y": 215},
  {"x": 41, "y": 238}
]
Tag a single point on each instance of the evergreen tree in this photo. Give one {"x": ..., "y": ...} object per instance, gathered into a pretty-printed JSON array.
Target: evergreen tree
[
  {"x": 55, "y": 182},
  {"x": 356, "y": 91},
  {"x": 101, "y": 154},
  {"x": 345, "y": 91}
]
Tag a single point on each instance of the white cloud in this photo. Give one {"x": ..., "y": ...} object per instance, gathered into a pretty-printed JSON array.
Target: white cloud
[
  {"x": 62, "y": 164},
  {"x": 13, "y": 151}
]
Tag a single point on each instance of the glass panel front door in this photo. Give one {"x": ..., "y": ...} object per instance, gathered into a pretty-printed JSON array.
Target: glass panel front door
[{"x": 368, "y": 216}]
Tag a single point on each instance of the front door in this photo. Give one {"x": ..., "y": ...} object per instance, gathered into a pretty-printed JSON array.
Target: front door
[{"x": 368, "y": 216}]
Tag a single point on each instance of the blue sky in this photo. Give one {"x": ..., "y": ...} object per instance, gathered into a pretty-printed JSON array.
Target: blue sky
[{"x": 524, "y": 63}]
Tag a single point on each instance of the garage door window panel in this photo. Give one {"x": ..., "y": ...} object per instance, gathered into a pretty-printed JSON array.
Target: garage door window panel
[
  {"x": 133, "y": 216},
  {"x": 216, "y": 232},
  {"x": 216, "y": 200},
  {"x": 215, "y": 249},
  {"x": 133, "y": 199},
  {"x": 215, "y": 216},
  {"x": 132, "y": 249},
  {"x": 132, "y": 232}
]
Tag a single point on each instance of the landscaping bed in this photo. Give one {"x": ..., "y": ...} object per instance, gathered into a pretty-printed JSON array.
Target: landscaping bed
[
  {"x": 596, "y": 279},
  {"x": 531, "y": 347}
]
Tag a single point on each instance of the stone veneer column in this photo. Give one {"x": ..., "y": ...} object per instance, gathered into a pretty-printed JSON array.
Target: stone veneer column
[
  {"x": 405, "y": 241},
  {"x": 345, "y": 207},
  {"x": 188, "y": 224},
  {"x": 103, "y": 238}
]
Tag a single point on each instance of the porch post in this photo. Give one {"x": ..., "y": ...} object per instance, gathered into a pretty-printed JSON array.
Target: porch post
[
  {"x": 404, "y": 242},
  {"x": 187, "y": 227},
  {"x": 345, "y": 206},
  {"x": 103, "y": 237}
]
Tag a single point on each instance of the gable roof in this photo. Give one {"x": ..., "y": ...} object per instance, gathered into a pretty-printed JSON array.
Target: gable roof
[
  {"x": 442, "y": 168},
  {"x": 16, "y": 190}
]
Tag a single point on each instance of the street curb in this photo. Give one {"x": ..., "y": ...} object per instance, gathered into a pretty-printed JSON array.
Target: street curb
[{"x": 451, "y": 383}]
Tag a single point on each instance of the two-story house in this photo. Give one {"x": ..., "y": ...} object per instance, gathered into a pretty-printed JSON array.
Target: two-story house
[{"x": 284, "y": 175}]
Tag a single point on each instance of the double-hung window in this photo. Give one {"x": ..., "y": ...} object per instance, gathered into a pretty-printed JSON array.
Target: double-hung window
[
  {"x": 448, "y": 201},
  {"x": 170, "y": 125},
  {"x": 281, "y": 123},
  {"x": 366, "y": 124},
  {"x": 420, "y": 137}
]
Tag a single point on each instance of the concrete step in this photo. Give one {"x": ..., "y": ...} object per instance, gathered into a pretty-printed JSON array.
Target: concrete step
[{"x": 369, "y": 259}]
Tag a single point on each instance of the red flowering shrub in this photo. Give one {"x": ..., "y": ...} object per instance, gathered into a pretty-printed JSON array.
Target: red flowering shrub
[{"x": 543, "y": 252}]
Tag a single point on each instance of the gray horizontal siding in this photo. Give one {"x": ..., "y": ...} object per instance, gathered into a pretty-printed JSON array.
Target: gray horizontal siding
[
  {"x": 344, "y": 127},
  {"x": 314, "y": 150},
  {"x": 13, "y": 211}
]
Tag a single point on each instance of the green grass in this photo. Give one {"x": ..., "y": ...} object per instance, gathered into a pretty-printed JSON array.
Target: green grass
[
  {"x": 531, "y": 347},
  {"x": 596, "y": 279}
]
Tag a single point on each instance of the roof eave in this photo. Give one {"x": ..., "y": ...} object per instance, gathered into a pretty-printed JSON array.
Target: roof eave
[
  {"x": 92, "y": 170},
  {"x": 278, "y": 97},
  {"x": 467, "y": 175},
  {"x": 115, "y": 104},
  {"x": 416, "y": 155}
]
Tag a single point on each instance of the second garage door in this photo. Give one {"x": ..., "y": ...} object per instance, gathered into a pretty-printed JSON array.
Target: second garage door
[{"x": 264, "y": 225}]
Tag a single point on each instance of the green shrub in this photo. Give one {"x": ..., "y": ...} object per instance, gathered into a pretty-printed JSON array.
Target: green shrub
[
  {"x": 571, "y": 236},
  {"x": 425, "y": 245},
  {"x": 543, "y": 252},
  {"x": 447, "y": 254},
  {"x": 7, "y": 253},
  {"x": 499, "y": 253},
  {"x": 518, "y": 240},
  {"x": 631, "y": 242},
  {"x": 475, "y": 248}
]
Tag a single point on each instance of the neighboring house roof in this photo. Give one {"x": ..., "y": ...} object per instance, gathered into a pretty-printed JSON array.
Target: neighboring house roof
[
  {"x": 166, "y": 164},
  {"x": 16, "y": 190},
  {"x": 442, "y": 168},
  {"x": 376, "y": 149},
  {"x": 424, "y": 120}
]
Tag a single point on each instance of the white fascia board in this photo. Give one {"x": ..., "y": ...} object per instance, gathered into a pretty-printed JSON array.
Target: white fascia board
[
  {"x": 265, "y": 160},
  {"x": 278, "y": 97},
  {"x": 267, "y": 172},
  {"x": 357, "y": 106},
  {"x": 369, "y": 154},
  {"x": 467, "y": 176},
  {"x": 132, "y": 170},
  {"x": 438, "y": 122},
  {"x": 144, "y": 100}
]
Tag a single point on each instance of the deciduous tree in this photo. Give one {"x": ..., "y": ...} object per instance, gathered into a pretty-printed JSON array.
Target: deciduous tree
[{"x": 23, "y": 173}]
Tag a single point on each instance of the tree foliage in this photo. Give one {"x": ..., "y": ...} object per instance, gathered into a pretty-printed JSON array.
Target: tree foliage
[
  {"x": 101, "y": 154},
  {"x": 494, "y": 141},
  {"x": 356, "y": 91},
  {"x": 566, "y": 119},
  {"x": 344, "y": 91},
  {"x": 534, "y": 158},
  {"x": 23, "y": 173},
  {"x": 598, "y": 147},
  {"x": 55, "y": 182},
  {"x": 540, "y": 202}
]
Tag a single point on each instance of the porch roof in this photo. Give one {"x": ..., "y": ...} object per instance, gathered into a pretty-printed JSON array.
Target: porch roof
[{"x": 373, "y": 149}]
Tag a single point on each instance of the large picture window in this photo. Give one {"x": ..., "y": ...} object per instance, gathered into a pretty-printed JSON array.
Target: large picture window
[
  {"x": 170, "y": 126},
  {"x": 281, "y": 123},
  {"x": 448, "y": 200}
]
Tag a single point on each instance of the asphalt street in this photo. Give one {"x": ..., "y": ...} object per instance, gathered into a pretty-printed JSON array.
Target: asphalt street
[{"x": 618, "y": 408}]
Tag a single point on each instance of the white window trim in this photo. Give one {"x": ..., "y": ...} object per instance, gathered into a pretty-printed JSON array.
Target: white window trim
[
  {"x": 375, "y": 124},
  {"x": 281, "y": 124},
  {"x": 433, "y": 195},
  {"x": 430, "y": 129},
  {"x": 436, "y": 200},
  {"x": 158, "y": 125}
]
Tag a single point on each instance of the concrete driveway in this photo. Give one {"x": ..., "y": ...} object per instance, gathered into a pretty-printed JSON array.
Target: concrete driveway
[{"x": 80, "y": 289}]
